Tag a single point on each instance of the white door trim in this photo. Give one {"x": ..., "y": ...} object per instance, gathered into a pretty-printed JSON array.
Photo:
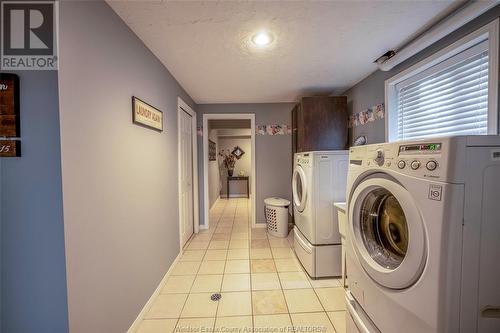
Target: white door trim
[
  {"x": 184, "y": 107},
  {"x": 206, "y": 118}
]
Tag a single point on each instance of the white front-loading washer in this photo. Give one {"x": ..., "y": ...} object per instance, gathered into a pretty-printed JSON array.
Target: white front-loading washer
[
  {"x": 319, "y": 179},
  {"x": 423, "y": 229}
]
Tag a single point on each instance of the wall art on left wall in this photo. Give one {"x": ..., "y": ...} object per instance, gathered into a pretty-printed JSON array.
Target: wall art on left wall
[
  {"x": 146, "y": 115},
  {"x": 212, "y": 151},
  {"x": 10, "y": 148},
  {"x": 10, "y": 121}
]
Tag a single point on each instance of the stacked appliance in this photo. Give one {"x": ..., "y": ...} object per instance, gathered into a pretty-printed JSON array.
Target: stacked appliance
[
  {"x": 319, "y": 180},
  {"x": 423, "y": 236}
]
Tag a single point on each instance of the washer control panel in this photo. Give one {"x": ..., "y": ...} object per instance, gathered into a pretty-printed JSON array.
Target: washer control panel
[
  {"x": 419, "y": 159},
  {"x": 303, "y": 159},
  {"x": 424, "y": 148}
]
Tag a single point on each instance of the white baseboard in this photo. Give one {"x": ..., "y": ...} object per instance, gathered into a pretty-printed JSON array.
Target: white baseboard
[
  {"x": 203, "y": 227},
  {"x": 260, "y": 225},
  {"x": 135, "y": 325},
  {"x": 215, "y": 203}
]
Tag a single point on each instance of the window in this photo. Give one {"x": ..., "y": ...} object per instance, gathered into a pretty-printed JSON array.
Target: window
[{"x": 453, "y": 92}]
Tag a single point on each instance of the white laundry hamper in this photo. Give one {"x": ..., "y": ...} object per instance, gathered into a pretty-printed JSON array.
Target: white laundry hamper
[{"x": 276, "y": 211}]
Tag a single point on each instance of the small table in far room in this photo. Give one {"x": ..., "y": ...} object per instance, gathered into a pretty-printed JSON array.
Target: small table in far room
[{"x": 245, "y": 178}]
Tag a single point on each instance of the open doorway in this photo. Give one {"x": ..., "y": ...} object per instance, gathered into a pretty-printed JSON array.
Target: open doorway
[{"x": 229, "y": 160}]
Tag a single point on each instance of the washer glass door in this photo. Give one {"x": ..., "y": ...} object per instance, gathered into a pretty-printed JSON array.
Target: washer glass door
[
  {"x": 299, "y": 188},
  {"x": 387, "y": 232},
  {"x": 384, "y": 228}
]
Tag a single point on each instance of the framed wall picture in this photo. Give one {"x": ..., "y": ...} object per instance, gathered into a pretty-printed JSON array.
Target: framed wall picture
[
  {"x": 10, "y": 121},
  {"x": 212, "y": 151},
  {"x": 238, "y": 152},
  {"x": 10, "y": 148},
  {"x": 146, "y": 115}
]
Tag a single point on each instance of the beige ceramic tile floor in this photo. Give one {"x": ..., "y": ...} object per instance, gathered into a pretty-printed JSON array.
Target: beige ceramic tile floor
[{"x": 262, "y": 284}]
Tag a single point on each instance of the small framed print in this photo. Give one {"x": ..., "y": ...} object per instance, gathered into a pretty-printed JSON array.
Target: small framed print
[
  {"x": 10, "y": 148},
  {"x": 146, "y": 115},
  {"x": 212, "y": 151},
  {"x": 238, "y": 152},
  {"x": 10, "y": 123}
]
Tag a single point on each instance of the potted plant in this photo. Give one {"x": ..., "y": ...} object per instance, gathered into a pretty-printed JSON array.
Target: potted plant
[{"x": 229, "y": 161}]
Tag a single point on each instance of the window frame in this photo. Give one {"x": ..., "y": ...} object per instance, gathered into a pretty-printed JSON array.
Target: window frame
[{"x": 488, "y": 32}]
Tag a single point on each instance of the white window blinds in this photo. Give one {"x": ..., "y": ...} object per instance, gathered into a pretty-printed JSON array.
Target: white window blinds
[{"x": 450, "y": 98}]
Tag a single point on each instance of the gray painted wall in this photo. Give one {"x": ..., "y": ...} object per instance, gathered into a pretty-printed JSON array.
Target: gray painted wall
[
  {"x": 33, "y": 272},
  {"x": 371, "y": 91},
  {"x": 119, "y": 179},
  {"x": 273, "y": 155}
]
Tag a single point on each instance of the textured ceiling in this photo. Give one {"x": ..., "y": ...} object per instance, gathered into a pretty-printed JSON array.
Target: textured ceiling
[{"x": 318, "y": 48}]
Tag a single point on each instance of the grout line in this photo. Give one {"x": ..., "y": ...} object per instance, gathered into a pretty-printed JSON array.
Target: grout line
[
  {"x": 235, "y": 208},
  {"x": 284, "y": 297},
  {"x": 230, "y": 233},
  {"x": 182, "y": 309},
  {"x": 224, "y": 269},
  {"x": 249, "y": 243},
  {"x": 323, "y": 307}
]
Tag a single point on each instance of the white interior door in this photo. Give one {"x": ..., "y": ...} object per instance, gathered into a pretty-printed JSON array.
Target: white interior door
[{"x": 186, "y": 174}]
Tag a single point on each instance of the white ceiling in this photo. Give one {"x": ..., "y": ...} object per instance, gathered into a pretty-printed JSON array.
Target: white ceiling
[{"x": 319, "y": 47}]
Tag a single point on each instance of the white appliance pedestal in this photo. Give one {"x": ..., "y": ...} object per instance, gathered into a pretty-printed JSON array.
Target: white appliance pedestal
[{"x": 319, "y": 261}]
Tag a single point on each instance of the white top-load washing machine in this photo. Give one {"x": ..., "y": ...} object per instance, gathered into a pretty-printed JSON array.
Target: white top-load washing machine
[
  {"x": 319, "y": 179},
  {"x": 423, "y": 243}
]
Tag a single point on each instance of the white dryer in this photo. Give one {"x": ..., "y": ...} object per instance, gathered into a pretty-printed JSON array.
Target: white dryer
[
  {"x": 319, "y": 179},
  {"x": 423, "y": 236}
]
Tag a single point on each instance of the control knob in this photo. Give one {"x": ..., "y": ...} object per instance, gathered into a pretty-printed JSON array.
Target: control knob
[
  {"x": 379, "y": 157},
  {"x": 401, "y": 164},
  {"x": 415, "y": 165},
  {"x": 431, "y": 165}
]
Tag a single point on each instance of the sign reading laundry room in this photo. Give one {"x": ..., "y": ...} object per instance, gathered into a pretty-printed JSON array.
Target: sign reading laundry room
[
  {"x": 10, "y": 148},
  {"x": 9, "y": 106},
  {"x": 146, "y": 115}
]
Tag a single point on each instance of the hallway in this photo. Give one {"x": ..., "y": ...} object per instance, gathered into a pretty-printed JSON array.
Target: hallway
[{"x": 263, "y": 286}]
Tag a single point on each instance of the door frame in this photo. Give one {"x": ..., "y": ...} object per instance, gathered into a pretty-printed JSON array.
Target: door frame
[
  {"x": 184, "y": 107},
  {"x": 228, "y": 116}
]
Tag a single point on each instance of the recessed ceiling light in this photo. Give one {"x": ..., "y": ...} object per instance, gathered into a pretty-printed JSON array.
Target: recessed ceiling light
[{"x": 262, "y": 39}]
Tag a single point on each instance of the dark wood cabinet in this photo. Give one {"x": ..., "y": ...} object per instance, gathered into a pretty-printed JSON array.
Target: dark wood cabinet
[{"x": 319, "y": 123}]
